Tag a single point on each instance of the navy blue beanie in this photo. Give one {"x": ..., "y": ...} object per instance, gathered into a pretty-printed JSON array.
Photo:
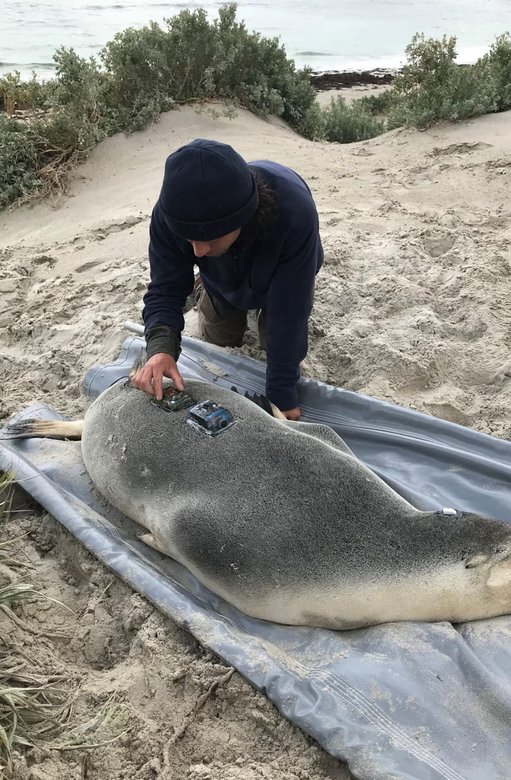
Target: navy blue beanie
[{"x": 208, "y": 191}]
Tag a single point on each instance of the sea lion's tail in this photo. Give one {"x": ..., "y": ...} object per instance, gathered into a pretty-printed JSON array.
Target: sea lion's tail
[{"x": 44, "y": 429}]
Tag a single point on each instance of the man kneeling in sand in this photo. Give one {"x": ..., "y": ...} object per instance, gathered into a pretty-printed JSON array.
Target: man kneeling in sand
[{"x": 253, "y": 231}]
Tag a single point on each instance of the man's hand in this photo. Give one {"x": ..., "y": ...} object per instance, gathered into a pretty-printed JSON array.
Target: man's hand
[
  {"x": 293, "y": 414},
  {"x": 150, "y": 376}
]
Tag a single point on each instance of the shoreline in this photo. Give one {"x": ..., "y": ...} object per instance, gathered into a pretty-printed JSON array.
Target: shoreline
[
  {"x": 320, "y": 79},
  {"x": 343, "y": 79},
  {"x": 358, "y": 82},
  {"x": 351, "y": 84}
]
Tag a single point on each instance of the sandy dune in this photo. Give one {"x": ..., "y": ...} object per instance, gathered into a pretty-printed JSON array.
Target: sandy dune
[{"x": 412, "y": 306}]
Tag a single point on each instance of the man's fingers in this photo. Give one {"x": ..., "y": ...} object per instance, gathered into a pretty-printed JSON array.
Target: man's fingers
[
  {"x": 158, "y": 385},
  {"x": 150, "y": 377},
  {"x": 177, "y": 379},
  {"x": 142, "y": 381},
  {"x": 292, "y": 414}
]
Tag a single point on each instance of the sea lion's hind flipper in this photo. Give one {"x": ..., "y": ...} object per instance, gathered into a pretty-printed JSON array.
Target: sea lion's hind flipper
[
  {"x": 260, "y": 400},
  {"x": 263, "y": 402},
  {"x": 152, "y": 542},
  {"x": 43, "y": 429}
]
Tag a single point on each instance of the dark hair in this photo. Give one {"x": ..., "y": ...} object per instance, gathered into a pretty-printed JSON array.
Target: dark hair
[{"x": 259, "y": 227}]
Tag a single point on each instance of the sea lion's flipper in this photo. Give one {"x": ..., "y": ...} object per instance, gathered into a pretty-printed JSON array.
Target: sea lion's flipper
[
  {"x": 44, "y": 429},
  {"x": 152, "y": 542},
  {"x": 263, "y": 402}
]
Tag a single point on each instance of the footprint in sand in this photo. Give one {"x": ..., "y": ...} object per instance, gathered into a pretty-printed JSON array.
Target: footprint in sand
[
  {"x": 438, "y": 245},
  {"x": 88, "y": 266}
]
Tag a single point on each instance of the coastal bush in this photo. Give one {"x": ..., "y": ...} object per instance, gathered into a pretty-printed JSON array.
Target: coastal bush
[
  {"x": 432, "y": 87},
  {"x": 18, "y": 162},
  {"x": 312, "y": 123},
  {"x": 151, "y": 69},
  {"x": 380, "y": 105},
  {"x": 140, "y": 80},
  {"x": 138, "y": 75},
  {"x": 141, "y": 73},
  {"x": 24, "y": 94},
  {"x": 495, "y": 71},
  {"x": 348, "y": 123}
]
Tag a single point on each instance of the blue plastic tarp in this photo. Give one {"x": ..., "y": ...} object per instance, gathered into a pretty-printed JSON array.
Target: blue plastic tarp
[{"x": 413, "y": 701}]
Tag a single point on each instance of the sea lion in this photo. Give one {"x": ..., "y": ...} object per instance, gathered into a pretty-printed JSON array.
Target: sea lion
[{"x": 282, "y": 520}]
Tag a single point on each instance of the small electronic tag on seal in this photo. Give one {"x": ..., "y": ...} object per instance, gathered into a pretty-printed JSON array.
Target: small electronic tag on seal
[
  {"x": 174, "y": 400},
  {"x": 209, "y": 418}
]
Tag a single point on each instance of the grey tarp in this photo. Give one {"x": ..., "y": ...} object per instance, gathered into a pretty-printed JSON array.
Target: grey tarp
[{"x": 403, "y": 701}]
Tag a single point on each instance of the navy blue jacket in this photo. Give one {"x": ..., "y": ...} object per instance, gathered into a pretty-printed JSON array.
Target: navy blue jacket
[{"x": 276, "y": 274}]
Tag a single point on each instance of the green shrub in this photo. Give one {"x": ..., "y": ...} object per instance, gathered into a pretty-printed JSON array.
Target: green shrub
[
  {"x": 348, "y": 123},
  {"x": 495, "y": 71},
  {"x": 381, "y": 104},
  {"x": 141, "y": 80},
  {"x": 150, "y": 69},
  {"x": 139, "y": 74},
  {"x": 432, "y": 87},
  {"x": 26, "y": 94},
  {"x": 312, "y": 123},
  {"x": 18, "y": 162}
]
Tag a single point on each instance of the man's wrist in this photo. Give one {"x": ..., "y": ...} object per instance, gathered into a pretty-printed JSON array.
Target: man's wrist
[{"x": 163, "y": 338}]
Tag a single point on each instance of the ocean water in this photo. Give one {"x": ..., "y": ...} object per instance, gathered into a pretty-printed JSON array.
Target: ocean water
[{"x": 324, "y": 34}]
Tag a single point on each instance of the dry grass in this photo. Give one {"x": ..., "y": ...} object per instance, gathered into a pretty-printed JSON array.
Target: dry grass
[
  {"x": 54, "y": 177},
  {"x": 33, "y": 706},
  {"x": 37, "y": 698}
]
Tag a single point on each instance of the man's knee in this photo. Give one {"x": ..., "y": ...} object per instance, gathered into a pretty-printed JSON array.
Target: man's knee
[{"x": 219, "y": 323}]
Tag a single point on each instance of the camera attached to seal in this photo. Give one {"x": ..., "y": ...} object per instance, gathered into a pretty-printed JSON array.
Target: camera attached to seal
[{"x": 206, "y": 416}]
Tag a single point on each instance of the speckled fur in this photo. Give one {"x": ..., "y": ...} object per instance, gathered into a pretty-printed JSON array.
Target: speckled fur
[{"x": 283, "y": 521}]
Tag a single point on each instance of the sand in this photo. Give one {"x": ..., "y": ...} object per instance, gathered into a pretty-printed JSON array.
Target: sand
[
  {"x": 412, "y": 306},
  {"x": 351, "y": 93}
]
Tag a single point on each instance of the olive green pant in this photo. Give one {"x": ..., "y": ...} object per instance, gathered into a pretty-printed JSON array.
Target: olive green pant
[{"x": 225, "y": 325}]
